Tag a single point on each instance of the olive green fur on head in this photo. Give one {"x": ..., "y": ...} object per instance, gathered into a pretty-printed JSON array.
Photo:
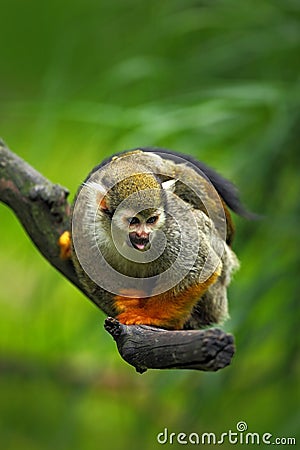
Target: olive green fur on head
[{"x": 140, "y": 186}]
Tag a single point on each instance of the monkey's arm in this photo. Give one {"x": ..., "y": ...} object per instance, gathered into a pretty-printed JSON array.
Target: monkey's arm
[{"x": 43, "y": 210}]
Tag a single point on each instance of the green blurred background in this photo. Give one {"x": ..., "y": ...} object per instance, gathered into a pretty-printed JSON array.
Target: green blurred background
[{"x": 219, "y": 80}]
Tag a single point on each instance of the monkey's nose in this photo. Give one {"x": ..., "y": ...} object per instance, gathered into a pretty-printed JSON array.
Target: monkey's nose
[{"x": 142, "y": 234}]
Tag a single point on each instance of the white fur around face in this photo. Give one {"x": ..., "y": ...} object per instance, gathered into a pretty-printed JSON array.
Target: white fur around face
[
  {"x": 169, "y": 185},
  {"x": 96, "y": 187}
]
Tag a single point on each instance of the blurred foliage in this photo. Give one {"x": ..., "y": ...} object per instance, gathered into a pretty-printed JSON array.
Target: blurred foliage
[{"x": 215, "y": 79}]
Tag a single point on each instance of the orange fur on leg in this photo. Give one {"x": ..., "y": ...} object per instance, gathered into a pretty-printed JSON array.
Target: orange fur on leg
[{"x": 169, "y": 309}]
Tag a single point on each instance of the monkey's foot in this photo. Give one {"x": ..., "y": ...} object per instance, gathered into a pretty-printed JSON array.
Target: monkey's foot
[
  {"x": 132, "y": 319},
  {"x": 64, "y": 243},
  {"x": 138, "y": 318}
]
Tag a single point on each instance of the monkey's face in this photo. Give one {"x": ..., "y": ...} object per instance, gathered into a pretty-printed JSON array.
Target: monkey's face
[
  {"x": 133, "y": 220},
  {"x": 140, "y": 227}
]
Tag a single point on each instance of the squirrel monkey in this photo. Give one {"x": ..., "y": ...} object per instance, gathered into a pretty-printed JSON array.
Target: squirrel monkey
[{"x": 151, "y": 237}]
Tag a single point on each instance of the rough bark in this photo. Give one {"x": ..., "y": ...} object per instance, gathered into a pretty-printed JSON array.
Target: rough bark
[
  {"x": 43, "y": 210},
  {"x": 147, "y": 347}
]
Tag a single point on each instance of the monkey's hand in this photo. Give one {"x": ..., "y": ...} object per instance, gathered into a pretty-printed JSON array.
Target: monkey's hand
[{"x": 65, "y": 245}]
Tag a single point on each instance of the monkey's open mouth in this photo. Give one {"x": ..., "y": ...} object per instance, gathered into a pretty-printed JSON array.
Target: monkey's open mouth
[{"x": 139, "y": 243}]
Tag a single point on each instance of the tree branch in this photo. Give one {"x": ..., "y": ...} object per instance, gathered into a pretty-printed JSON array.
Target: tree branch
[
  {"x": 44, "y": 212},
  {"x": 147, "y": 347},
  {"x": 40, "y": 206}
]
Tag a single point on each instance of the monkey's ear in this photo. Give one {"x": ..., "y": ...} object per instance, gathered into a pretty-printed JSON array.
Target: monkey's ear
[
  {"x": 100, "y": 193},
  {"x": 169, "y": 185},
  {"x": 96, "y": 187}
]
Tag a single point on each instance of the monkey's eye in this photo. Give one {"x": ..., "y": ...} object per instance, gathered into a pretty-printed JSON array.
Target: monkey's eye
[
  {"x": 152, "y": 220},
  {"x": 133, "y": 220}
]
